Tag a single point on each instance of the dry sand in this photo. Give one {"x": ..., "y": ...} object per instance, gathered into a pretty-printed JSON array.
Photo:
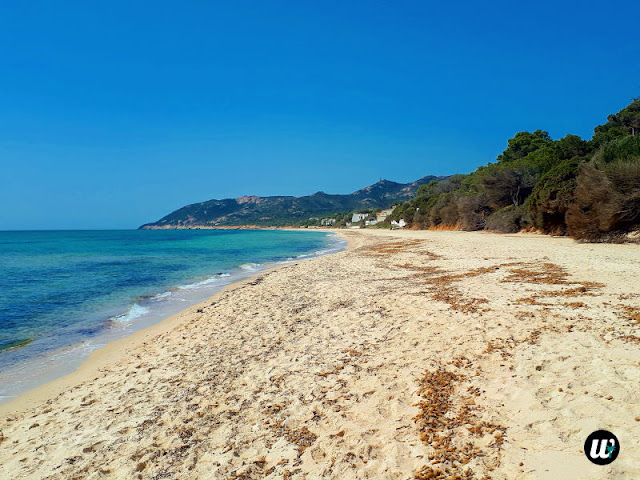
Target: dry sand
[{"x": 428, "y": 354}]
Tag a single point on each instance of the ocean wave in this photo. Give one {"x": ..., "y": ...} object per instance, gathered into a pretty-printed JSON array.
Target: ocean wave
[
  {"x": 160, "y": 296},
  {"x": 207, "y": 281},
  {"x": 134, "y": 312},
  {"x": 250, "y": 266}
]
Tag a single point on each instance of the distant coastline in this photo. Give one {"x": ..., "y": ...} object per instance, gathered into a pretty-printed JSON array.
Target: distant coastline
[
  {"x": 226, "y": 227},
  {"x": 254, "y": 212},
  {"x": 210, "y": 227}
]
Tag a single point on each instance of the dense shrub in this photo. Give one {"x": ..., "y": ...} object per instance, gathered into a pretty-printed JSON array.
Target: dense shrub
[
  {"x": 606, "y": 200},
  {"x": 552, "y": 196},
  {"x": 508, "y": 220},
  {"x": 622, "y": 149},
  {"x": 472, "y": 212},
  {"x": 590, "y": 216},
  {"x": 444, "y": 210}
]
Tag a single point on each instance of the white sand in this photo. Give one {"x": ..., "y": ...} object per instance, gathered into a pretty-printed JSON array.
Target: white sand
[{"x": 316, "y": 370}]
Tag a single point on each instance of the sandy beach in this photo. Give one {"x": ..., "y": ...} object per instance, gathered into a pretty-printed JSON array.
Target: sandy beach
[{"x": 413, "y": 354}]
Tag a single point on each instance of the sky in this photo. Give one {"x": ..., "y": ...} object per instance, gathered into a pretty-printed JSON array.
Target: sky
[{"x": 113, "y": 114}]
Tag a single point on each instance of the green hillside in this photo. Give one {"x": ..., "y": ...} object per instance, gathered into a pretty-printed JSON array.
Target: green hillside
[{"x": 287, "y": 210}]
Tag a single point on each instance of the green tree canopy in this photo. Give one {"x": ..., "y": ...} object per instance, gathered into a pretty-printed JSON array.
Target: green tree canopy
[
  {"x": 625, "y": 122},
  {"x": 524, "y": 143}
]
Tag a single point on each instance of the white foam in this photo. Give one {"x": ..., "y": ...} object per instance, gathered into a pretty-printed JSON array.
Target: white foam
[
  {"x": 160, "y": 296},
  {"x": 134, "y": 312},
  {"x": 250, "y": 266},
  {"x": 205, "y": 282}
]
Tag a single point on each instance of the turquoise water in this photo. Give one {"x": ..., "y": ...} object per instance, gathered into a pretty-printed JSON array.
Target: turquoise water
[{"x": 63, "y": 294}]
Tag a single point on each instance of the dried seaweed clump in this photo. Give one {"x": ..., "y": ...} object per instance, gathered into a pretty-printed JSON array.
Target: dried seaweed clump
[
  {"x": 390, "y": 247},
  {"x": 302, "y": 437},
  {"x": 435, "y": 423},
  {"x": 449, "y": 427}
]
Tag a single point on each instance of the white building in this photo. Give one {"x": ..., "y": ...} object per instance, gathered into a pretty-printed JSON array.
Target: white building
[
  {"x": 327, "y": 222},
  {"x": 357, "y": 217},
  {"x": 398, "y": 224}
]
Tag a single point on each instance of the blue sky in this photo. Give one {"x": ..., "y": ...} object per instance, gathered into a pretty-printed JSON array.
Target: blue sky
[{"x": 114, "y": 113}]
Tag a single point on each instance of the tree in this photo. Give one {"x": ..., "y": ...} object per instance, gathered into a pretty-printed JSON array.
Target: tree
[
  {"x": 606, "y": 200},
  {"x": 629, "y": 117},
  {"x": 504, "y": 184},
  {"x": 552, "y": 196},
  {"x": 625, "y": 122},
  {"x": 524, "y": 143},
  {"x": 427, "y": 188},
  {"x": 571, "y": 146}
]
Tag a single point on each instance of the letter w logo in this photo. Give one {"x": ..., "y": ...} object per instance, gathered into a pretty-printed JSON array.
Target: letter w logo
[{"x": 604, "y": 451}]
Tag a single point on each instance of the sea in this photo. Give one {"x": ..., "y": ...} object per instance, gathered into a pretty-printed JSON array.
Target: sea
[{"x": 64, "y": 294}]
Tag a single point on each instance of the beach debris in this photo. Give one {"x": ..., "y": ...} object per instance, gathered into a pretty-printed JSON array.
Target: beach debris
[
  {"x": 389, "y": 248},
  {"x": 442, "y": 286},
  {"x": 448, "y": 421},
  {"x": 302, "y": 437},
  {"x": 631, "y": 313}
]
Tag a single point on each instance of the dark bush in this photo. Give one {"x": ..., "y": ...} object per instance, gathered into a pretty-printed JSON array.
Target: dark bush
[
  {"x": 420, "y": 221},
  {"x": 552, "y": 196},
  {"x": 623, "y": 149},
  {"x": 606, "y": 201},
  {"x": 472, "y": 212},
  {"x": 508, "y": 220},
  {"x": 443, "y": 211}
]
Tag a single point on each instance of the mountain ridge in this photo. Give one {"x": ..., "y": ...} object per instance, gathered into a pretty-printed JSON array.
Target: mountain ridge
[{"x": 287, "y": 210}]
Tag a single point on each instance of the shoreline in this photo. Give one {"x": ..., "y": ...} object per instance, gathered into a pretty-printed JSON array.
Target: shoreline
[
  {"x": 118, "y": 349},
  {"x": 115, "y": 349},
  {"x": 408, "y": 353},
  {"x": 107, "y": 354}
]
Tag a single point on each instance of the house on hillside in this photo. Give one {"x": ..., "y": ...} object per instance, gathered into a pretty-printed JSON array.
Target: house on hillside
[
  {"x": 358, "y": 217},
  {"x": 327, "y": 222},
  {"x": 398, "y": 224}
]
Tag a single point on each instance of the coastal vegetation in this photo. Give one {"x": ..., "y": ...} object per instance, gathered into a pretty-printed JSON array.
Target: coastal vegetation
[{"x": 588, "y": 189}]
